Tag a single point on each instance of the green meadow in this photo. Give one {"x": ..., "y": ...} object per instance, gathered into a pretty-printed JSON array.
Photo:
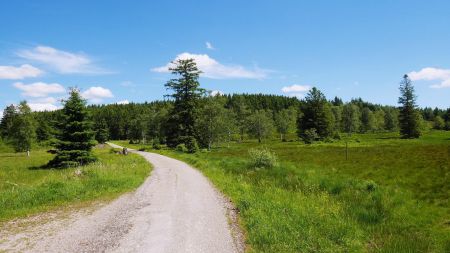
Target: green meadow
[
  {"x": 380, "y": 194},
  {"x": 26, "y": 187}
]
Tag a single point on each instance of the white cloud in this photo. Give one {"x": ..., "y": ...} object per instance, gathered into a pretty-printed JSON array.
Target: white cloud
[
  {"x": 123, "y": 102},
  {"x": 39, "y": 89},
  {"x": 209, "y": 46},
  {"x": 215, "y": 70},
  {"x": 214, "y": 93},
  {"x": 295, "y": 90},
  {"x": 43, "y": 106},
  {"x": 62, "y": 61},
  {"x": 24, "y": 71},
  {"x": 432, "y": 74},
  {"x": 97, "y": 94}
]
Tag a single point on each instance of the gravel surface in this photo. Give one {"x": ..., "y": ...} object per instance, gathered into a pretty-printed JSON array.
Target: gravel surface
[{"x": 176, "y": 209}]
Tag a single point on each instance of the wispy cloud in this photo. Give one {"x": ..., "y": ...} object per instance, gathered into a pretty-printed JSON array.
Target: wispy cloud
[
  {"x": 62, "y": 61},
  {"x": 215, "y": 70},
  {"x": 209, "y": 45},
  {"x": 432, "y": 74},
  {"x": 39, "y": 89},
  {"x": 97, "y": 94},
  {"x": 296, "y": 90},
  {"x": 21, "y": 72}
]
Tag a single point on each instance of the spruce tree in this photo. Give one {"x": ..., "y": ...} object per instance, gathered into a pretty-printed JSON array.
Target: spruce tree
[
  {"x": 409, "y": 117},
  {"x": 101, "y": 131},
  {"x": 186, "y": 93},
  {"x": 316, "y": 115},
  {"x": 6, "y": 125},
  {"x": 75, "y": 136}
]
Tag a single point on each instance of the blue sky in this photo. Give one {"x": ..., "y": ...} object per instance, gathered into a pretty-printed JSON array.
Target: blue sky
[{"x": 118, "y": 51}]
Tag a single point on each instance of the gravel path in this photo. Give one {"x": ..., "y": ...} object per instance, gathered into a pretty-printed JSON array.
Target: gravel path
[{"x": 176, "y": 209}]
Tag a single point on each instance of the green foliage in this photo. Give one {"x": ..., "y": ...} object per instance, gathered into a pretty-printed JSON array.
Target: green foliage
[
  {"x": 438, "y": 123},
  {"x": 75, "y": 137},
  {"x": 316, "y": 113},
  {"x": 23, "y": 128},
  {"x": 181, "y": 148},
  {"x": 262, "y": 158},
  {"x": 350, "y": 118},
  {"x": 379, "y": 200},
  {"x": 181, "y": 122},
  {"x": 7, "y": 122},
  {"x": 409, "y": 118},
  {"x": 44, "y": 131},
  {"x": 310, "y": 135},
  {"x": 260, "y": 125},
  {"x": 285, "y": 121},
  {"x": 101, "y": 131},
  {"x": 367, "y": 120},
  {"x": 26, "y": 188},
  {"x": 214, "y": 123},
  {"x": 191, "y": 145}
]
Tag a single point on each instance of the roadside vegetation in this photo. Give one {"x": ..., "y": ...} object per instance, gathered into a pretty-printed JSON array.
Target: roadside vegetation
[
  {"x": 27, "y": 186},
  {"x": 389, "y": 195},
  {"x": 309, "y": 175}
]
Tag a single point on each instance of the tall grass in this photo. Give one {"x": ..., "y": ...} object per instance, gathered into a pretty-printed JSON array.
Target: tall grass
[
  {"x": 25, "y": 187},
  {"x": 389, "y": 196}
]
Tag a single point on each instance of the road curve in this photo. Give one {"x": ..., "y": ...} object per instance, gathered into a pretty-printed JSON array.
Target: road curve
[{"x": 176, "y": 209}]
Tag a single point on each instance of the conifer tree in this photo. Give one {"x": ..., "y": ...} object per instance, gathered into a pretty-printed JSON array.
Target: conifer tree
[
  {"x": 101, "y": 131},
  {"x": 9, "y": 114},
  {"x": 187, "y": 92},
  {"x": 409, "y": 117},
  {"x": 316, "y": 114},
  {"x": 75, "y": 136}
]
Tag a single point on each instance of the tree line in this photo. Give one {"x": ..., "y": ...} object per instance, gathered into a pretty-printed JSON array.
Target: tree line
[{"x": 193, "y": 118}]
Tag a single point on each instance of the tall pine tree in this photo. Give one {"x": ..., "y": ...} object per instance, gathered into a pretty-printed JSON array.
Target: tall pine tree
[
  {"x": 409, "y": 117},
  {"x": 75, "y": 137},
  {"x": 186, "y": 93}
]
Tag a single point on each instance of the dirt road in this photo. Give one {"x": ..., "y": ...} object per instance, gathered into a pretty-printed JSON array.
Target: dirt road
[{"x": 175, "y": 210}]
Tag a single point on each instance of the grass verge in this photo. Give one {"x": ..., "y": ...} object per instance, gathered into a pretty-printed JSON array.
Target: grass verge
[{"x": 25, "y": 188}]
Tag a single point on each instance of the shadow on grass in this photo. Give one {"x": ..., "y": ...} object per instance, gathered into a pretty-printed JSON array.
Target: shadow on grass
[{"x": 42, "y": 167}]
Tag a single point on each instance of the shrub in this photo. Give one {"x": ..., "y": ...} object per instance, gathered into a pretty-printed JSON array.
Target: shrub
[
  {"x": 310, "y": 135},
  {"x": 191, "y": 145},
  {"x": 262, "y": 158},
  {"x": 181, "y": 148},
  {"x": 156, "y": 146}
]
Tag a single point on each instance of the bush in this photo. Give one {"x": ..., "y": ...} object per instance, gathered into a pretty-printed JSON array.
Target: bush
[
  {"x": 191, "y": 145},
  {"x": 181, "y": 148},
  {"x": 262, "y": 158},
  {"x": 156, "y": 146},
  {"x": 310, "y": 136}
]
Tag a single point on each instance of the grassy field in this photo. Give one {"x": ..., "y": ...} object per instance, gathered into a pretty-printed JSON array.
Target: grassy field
[
  {"x": 26, "y": 188},
  {"x": 390, "y": 195}
]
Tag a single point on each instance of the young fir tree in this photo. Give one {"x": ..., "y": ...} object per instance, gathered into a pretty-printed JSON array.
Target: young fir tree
[
  {"x": 316, "y": 114},
  {"x": 75, "y": 136},
  {"x": 181, "y": 123},
  {"x": 6, "y": 125},
  {"x": 23, "y": 129},
  {"x": 101, "y": 131},
  {"x": 409, "y": 117}
]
